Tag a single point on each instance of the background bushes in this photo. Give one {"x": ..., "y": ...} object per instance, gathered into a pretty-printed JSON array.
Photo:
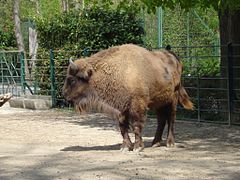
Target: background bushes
[
  {"x": 7, "y": 37},
  {"x": 94, "y": 28}
]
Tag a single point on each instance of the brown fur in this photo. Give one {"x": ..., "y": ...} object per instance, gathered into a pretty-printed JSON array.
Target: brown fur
[{"x": 124, "y": 82}]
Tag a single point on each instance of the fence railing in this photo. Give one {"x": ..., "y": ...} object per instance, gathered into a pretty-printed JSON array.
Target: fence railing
[
  {"x": 213, "y": 82},
  {"x": 211, "y": 79},
  {"x": 10, "y": 73}
]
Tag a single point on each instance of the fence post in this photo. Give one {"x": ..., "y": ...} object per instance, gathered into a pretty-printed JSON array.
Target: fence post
[
  {"x": 198, "y": 98},
  {"x": 230, "y": 81},
  {"x": 85, "y": 52},
  {"x": 2, "y": 79},
  {"x": 53, "y": 85},
  {"x": 159, "y": 25},
  {"x": 23, "y": 79}
]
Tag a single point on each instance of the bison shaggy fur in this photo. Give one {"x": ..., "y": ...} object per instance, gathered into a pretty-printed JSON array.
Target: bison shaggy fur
[{"x": 125, "y": 82}]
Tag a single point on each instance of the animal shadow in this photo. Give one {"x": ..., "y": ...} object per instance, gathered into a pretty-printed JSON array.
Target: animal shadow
[{"x": 92, "y": 148}]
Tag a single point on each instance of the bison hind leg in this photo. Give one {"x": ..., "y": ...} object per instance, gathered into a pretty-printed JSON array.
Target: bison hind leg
[
  {"x": 161, "y": 119},
  {"x": 171, "y": 120},
  {"x": 165, "y": 114}
]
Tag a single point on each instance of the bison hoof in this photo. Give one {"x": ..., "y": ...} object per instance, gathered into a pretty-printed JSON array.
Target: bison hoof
[
  {"x": 137, "y": 150},
  {"x": 138, "y": 146},
  {"x": 157, "y": 144},
  {"x": 170, "y": 143},
  {"x": 125, "y": 149}
]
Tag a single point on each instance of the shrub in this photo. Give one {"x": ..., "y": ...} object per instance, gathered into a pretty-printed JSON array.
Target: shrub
[
  {"x": 94, "y": 28},
  {"x": 7, "y": 37}
]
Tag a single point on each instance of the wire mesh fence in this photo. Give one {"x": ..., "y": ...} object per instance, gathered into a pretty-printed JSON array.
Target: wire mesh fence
[
  {"x": 10, "y": 73},
  {"x": 213, "y": 83},
  {"x": 212, "y": 79}
]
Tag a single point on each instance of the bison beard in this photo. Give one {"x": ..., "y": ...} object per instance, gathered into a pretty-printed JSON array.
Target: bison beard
[
  {"x": 91, "y": 103},
  {"x": 126, "y": 81}
]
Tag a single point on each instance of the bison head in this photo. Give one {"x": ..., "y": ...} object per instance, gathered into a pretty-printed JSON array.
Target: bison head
[{"x": 77, "y": 81}]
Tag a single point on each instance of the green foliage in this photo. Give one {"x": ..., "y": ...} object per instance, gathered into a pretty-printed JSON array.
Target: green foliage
[
  {"x": 181, "y": 28},
  {"x": 233, "y": 5},
  {"x": 94, "y": 28},
  {"x": 45, "y": 9},
  {"x": 7, "y": 37},
  {"x": 202, "y": 68}
]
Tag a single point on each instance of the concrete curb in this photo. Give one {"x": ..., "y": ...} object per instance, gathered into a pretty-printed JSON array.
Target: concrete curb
[{"x": 31, "y": 102}]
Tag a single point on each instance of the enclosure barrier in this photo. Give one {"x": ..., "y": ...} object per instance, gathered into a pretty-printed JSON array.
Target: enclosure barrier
[
  {"x": 11, "y": 79},
  {"x": 211, "y": 79}
]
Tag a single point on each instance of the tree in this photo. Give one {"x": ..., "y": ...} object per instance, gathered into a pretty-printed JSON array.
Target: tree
[
  {"x": 65, "y": 5},
  {"x": 18, "y": 35}
]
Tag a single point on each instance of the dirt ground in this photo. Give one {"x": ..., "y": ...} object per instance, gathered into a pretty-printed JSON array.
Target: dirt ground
[{"x": 57, "y": 144}]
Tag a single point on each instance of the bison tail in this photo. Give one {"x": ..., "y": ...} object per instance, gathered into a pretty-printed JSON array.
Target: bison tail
[{"x": 184, "y": 99}]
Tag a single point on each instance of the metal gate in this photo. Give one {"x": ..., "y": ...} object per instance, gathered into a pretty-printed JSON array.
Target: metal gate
[
  {"x": 10, "y": 73},
  {"x": 212, "y": 79}
]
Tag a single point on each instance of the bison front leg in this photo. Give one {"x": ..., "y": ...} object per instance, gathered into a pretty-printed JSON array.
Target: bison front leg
[
  {"x": 165, "y": 114},
  {"x": 137, "y": 114},
  {"x": 127, "y": 144},
  {"x": 137, "y": 128}
]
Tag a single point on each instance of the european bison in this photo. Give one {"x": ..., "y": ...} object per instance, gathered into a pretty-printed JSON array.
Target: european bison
[{"x": 125, "y": 82}]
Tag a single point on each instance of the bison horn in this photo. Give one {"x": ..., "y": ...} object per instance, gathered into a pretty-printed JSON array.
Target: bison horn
[{"x": 73, "y": 66}]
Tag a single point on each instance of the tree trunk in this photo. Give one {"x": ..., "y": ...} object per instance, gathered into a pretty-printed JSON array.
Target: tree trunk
[
  {"x": 230, "y": 33},
  {"x": 33, "y": 46},
  {"x": 37, "y": 7},
  {"x": 65, "y": 5},
  {"x": 18, "y": 35}
]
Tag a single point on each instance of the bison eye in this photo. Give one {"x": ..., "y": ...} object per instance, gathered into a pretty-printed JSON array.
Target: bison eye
[
  {"x": 81, "y": 79},
  {"x": 71, "y": 81}
]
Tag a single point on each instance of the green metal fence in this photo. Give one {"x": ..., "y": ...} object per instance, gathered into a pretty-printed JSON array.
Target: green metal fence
[
  {"x": 212, "y": 80},
  {"x": 10, "y": 73}
]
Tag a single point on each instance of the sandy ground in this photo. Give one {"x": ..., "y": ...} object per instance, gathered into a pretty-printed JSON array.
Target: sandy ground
[{"x": 57, "y": 144}]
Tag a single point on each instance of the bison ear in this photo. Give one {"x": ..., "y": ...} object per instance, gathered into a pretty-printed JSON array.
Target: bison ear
[
  {"x": 90, "y": 72},
  {"x": 73, "y": 68},
  {"x": 87, "y": 75}
]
